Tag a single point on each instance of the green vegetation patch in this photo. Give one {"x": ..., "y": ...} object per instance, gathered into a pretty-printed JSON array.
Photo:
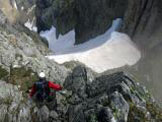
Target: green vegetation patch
[
  {"x": 3, "y": 73},
  {"x": 155, "y": 111},
  {"x": 136, "y": 114},
  {"x": 92, "y": 118},
  {"x": 139, "y": 115},
  {"x": 24, "y": 77},
  {"x": 7, "y": 100}
]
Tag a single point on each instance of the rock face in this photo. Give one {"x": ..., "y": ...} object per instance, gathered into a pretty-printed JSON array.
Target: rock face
[
  {"x": 106, "y": 98},
  {"x": 19, "y": 10},
  {"x": 143, "y": 23},
  {"x": 26, "y": 9},
  {"x": 22, "y": 57},
  {"x": 14, "y": 107},
  {"x": 88, "y": 18}
]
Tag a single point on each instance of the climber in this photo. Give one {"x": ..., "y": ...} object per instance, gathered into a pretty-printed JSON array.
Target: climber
[{"x": 41, "y": 89}]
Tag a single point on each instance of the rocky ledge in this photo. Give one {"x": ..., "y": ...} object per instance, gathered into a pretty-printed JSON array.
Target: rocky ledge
[{"x": 106, "y": 98}]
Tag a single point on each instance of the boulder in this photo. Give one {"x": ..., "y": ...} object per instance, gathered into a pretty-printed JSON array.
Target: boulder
[
  {"x": 105, "y": 115},
  {"x": 14, "y": 107},
  {"x": 113, "y": 97},
  {"x": 119, "y": 106},
  {"x": 43, "y": 114}
]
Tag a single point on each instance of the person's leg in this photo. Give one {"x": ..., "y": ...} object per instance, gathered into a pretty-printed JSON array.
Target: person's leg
[{"x": 39, "y": 97}]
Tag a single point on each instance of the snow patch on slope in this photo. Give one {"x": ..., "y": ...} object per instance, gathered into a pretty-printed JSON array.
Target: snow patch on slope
[
  {"x": 118, "y": 51},
  {"x": 65, "y": 43},
  {"x": 113, "y": 120},
  {"x": 62, "y": 43},
  {"x": 108, "y": 51},
  {"x": 30, "y": 26},
  {"x": 15, "y": 5}
]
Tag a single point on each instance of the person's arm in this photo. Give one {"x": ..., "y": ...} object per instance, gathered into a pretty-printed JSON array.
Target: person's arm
[
  {"x": 54, "y": 86},
  {"x": 33, "y": 90}
]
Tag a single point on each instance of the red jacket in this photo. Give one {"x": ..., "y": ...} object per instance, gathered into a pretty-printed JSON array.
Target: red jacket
[{"x": 50, "y": 85}]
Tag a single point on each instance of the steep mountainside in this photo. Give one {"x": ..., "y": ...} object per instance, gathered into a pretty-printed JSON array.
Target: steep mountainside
[
  {"x": 88, "y": 97},
  {"x": 143, "y": 22},
  {"x": 23, "y": 52}
]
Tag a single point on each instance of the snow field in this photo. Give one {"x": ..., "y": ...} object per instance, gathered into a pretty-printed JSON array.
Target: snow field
[{"x": 108, "y": 51}]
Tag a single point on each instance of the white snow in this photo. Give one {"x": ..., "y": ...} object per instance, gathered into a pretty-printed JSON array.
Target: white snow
[
  {"x": 15, "y": 5},
  {"x": 65, "y": 43},
  {"x": 113, "y": 120},
  {"x": 108, "y": 51},
  {"x": 30, "y": 26},
  {"x": 62, "y": 43},
  {"x": 22, "y": 8}
]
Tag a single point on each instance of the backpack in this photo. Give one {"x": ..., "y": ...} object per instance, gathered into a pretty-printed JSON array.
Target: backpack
[{"x": 42, "y": 90}]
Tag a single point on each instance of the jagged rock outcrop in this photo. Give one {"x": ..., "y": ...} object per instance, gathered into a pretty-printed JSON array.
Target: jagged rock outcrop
[
  {"x": 143, "y": 21},
  {"x": 88, "y": 18},
  {"x": 14, "y": 108},
  {"x": 107, "y": 98}
]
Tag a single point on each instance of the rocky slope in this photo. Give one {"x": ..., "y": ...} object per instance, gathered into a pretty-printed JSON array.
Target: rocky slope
[
  {"x": 106, "y": 98},
  {"x": 22, "y": 54},
  {"x": 21, "y": 11}
]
